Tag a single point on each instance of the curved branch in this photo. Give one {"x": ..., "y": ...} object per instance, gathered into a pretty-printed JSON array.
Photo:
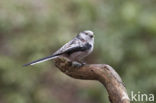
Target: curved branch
[{"x": 101, "y": 72}]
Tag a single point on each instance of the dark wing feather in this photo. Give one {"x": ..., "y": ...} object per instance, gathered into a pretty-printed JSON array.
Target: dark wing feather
[{"x": 69, "y": 51}]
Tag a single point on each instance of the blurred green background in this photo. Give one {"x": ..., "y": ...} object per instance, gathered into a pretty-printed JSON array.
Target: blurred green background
[{"x": 125, "y": 38}]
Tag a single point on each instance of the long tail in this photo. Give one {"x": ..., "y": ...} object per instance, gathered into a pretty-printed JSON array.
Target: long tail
[{"x": 41, "y": 60}]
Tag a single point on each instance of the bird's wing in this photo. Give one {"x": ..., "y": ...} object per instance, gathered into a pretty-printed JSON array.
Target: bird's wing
[
  {"x": 77, "y": 48},
  {"x": 70, "y": 47},
  {"x": 74, "y": 43}
]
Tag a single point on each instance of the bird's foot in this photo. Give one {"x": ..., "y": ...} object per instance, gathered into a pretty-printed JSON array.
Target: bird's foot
[
  {"x": 83, "y": 63},
  {"x": 77, "y": 64}
]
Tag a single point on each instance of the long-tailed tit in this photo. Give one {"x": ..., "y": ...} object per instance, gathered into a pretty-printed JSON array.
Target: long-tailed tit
[{"x": 75, "y": 50}]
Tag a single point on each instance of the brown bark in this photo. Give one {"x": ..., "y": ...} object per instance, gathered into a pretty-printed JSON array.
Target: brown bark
[{"x": 101, "y": 72}]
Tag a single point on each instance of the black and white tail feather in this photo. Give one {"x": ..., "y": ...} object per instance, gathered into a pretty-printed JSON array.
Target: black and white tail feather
[
  {"x": 41, "y": 60},
  {"x": 76, "y": 49}
]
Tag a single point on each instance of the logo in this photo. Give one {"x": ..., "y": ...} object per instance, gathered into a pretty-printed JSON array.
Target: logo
[{"x": 140, "y": 97}]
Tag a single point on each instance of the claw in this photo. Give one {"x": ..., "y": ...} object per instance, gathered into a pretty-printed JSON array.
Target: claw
[
  {"x": 83, "y": 63},
  {"x": 77, "y": 64}
]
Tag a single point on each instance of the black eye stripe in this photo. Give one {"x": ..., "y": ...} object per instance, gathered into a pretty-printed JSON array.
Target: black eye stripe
[{"x": 86, "y": 33}]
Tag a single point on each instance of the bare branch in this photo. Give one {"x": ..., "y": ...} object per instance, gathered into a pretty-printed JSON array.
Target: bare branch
[{"x": 101, "y": 72}]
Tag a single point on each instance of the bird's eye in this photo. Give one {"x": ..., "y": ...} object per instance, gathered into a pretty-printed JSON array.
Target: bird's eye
[{"x": 91, "y": 36}]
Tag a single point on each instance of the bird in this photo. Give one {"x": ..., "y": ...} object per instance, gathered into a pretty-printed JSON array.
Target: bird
[{"x": 75, "y": 50}]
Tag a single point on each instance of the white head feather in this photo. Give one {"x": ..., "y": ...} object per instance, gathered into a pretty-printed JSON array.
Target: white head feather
[{"x": 87, "y": 35}]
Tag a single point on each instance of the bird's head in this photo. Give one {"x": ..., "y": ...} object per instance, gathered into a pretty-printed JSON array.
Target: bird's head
[{"x": 87, "y": 35}]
